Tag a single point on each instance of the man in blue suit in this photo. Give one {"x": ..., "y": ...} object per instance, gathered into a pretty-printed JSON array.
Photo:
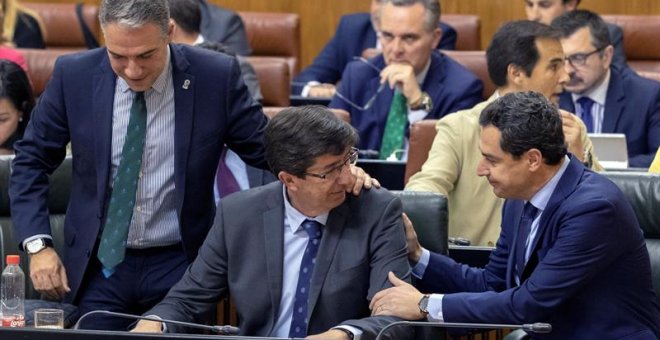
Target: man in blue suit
[
  {"x": 607, "y": 98},
  {"x": 545, "y": 11},
  {"x": 187, "y": 103},
  {"x": 224, "y": 26},
  {"x": 431, "y": 84},
  {"x": 570, "y": 253},
  {"x": 355, "y": 34}
]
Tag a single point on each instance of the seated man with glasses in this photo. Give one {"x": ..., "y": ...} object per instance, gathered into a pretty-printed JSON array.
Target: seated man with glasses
[
  {"x": 263, "y": 246},
  {"x": 409, "y": 82},
  {"x": 607, "y": 98}
]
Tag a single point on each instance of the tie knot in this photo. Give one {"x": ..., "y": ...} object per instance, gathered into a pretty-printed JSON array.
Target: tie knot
[
  {"x": 585, "y": 103},
  {"x": 529, "y": 211},
  {"x": 313, "y": 229}
]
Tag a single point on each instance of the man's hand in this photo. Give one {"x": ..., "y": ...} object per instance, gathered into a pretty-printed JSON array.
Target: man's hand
[
  {"x": 322, "y": 91},
  {"x": 146, "y": 326},
  {"x": 361, "y": 180},
  {"x": 48, "y": 275},
  {"x": 402, "y": 300},
  {"x": 414, "y": 248},
  {"x": 332, "y": 334},
  {"x": 572, "y": 134},
  {"x": 403, "y": 76}
]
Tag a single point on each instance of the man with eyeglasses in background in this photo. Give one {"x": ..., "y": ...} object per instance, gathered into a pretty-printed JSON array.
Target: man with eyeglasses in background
[
  {"x": 280, "y": 286},
  {"x": 409, "y": 82},
  {"x": 544, "y": 11},
  {"x": 607, "y": 98}
]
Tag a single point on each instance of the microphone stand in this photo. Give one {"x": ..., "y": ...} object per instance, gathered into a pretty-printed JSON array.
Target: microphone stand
[
  {"x": 538, "y": 327},
  {"x": 225, "y": 330}
]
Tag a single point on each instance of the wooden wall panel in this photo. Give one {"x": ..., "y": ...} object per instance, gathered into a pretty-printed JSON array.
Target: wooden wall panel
[{"x": 320, "y": 17}]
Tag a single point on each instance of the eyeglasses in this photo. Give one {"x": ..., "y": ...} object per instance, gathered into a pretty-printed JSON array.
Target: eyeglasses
[
  {"x": 579, "y": 59},
  {"x": 371, "y": 100},
  {"x": 334, "y": 172}
]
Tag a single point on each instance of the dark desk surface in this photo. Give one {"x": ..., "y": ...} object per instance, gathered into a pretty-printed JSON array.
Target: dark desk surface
[
  {"x": 49, "y": 334},
  {"x": 300, "y": 101}
]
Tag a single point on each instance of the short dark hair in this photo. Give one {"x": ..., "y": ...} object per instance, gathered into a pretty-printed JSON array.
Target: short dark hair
[
  {"x": 515, "y": 43},
  {"x": 15, "y": 87},
  {"x": 186, "y": 14},
  {"x": 296, "y": 136},
  {"x": 569, "y": 23},
  {"x": 527, "y": 120}
]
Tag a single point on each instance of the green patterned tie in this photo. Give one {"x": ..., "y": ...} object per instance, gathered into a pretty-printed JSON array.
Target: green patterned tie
[
  {"x": 395, "y": 126},
  {"x": 122, "y": 201}
]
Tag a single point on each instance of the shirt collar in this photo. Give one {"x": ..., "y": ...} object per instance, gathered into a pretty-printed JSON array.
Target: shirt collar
[
  {"x": 296, "y": 218},
  {"x": 422, "y": 75},
  {"x": 161, "y": 81},
  {"x": 541, "y": 198},
  {"x": 597, "y": 94},
  {"x": 200, "y": 39}
]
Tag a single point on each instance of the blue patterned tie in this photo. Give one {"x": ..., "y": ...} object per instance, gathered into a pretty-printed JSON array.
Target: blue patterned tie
[
  {"x": 122, "y": 201},
  {"x": 524, "y": 228},
  {"x": 586, "y": 104},
  {"x": 299, "y": 319}
]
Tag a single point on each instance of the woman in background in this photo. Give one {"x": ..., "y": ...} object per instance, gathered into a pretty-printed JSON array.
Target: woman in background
[
  {"x": 21, "y": 26},
  {"x": 16, "y": 103}
]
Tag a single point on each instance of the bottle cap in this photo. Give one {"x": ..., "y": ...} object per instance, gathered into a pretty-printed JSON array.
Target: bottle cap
[{"x": 13, "y": 259}]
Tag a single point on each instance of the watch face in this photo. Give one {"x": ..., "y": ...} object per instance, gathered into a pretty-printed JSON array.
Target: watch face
[{"x": 35, "y": 246}]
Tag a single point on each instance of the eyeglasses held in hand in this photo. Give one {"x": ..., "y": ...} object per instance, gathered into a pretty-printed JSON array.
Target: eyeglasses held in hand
[{"x": 371, "y": 100}]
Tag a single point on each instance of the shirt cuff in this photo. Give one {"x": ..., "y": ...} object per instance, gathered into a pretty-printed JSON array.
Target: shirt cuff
[
  {"x": 420, "y": 267},
  {"x": 416, "y": 115},
  {"x": 357, "y": 333},
  {"x": 34, "y": 238},
  {"x": 435, "y": 308},
  {"x": 308, "y": 87}
]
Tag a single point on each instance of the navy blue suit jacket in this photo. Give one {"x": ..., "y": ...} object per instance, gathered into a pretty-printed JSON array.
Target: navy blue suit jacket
[
  {"x": 632, "y": 107},
  {"x": 451, "y": 86},
  {"x": 354, "y": 35},
  {"x": 224, "y": 26},
  {"x": 588, "y": 273},
  {"x": 77, "y": 106}
]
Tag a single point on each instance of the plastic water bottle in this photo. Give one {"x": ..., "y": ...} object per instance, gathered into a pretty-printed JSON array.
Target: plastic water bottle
[{"x": 12, "y": 299}]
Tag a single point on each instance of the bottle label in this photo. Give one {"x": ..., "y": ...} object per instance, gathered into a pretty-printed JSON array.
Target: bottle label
[{"x": 13, "y": 321}]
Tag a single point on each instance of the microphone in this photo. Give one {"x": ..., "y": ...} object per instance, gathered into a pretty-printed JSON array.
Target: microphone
[
  {"x": 538, "y": 327},
  {"x": 225, "y": 330}
]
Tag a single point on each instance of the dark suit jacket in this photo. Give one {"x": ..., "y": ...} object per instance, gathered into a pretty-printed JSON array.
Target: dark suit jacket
[
  {"x": 616, "y": 39},
  {"x": 632, "y": 107},
  {"x": 451, "y": 86},
  {"x": 77, "y": 106},
  {"x": 588, "y": 274},
  {"x": 243, "y": 256},
  {"x": 354, "y": 35},
  {"x": 224, "y": 26}
]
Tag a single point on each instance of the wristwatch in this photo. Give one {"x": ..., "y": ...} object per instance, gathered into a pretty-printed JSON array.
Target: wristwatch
[
  {"x": 38, "y": 244},
  {"x": 423, "y": 305},
  {"x": 424, "y": 103}
]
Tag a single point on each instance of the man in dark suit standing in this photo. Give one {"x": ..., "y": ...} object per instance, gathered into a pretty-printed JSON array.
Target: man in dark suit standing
[
  {"x": 570, "y": 253},
  {"x": 258, "y": 248},
  {"x": 224, "y": 26},
  {"x": 545, "y": 11},
  {"x": 410, "y": 81},
  {"x": 607, "y": 98},
  {"x": 356, "y": 33},
  {"x": 147, "y": 121}
]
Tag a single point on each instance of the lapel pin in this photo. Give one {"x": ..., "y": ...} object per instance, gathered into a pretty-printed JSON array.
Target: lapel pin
[{"x": 186, "y": 84}]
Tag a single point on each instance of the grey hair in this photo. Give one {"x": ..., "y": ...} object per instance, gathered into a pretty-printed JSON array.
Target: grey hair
[
  {"x": 432, "y": 11},
  {"x": 135, "y": 13}
]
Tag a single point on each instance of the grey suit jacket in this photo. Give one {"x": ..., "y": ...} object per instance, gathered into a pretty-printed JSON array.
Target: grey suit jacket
[{"x": 243, "y": 255}]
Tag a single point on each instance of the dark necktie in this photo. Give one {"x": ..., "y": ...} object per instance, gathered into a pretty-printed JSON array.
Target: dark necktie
[
  {"x": 225, "y": 180},
  {"x": 524, "y": 228},
  {"x": 301, "y": 300},
  {"x": 586, "y": 104},
  {"x": 395, "y": 126},
  {"x": 122, "y": 200}
]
